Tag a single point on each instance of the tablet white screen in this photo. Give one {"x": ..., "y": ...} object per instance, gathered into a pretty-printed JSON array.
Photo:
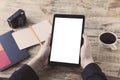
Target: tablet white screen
[{"x": 66, "y": 40}]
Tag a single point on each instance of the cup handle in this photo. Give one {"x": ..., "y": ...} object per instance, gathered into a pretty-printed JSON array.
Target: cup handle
[{"x": 113, "y": 47}]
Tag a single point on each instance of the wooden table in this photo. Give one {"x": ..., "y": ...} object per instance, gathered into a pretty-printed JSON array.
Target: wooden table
[{"x": 101, "y": 15}]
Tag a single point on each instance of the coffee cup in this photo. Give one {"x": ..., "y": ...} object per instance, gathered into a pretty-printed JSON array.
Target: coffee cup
[{"x": 108, "y": 40}]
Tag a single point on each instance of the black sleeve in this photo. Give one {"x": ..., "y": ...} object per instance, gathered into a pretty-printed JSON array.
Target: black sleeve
[
  {"x": 93, "y": 72},
  {"x": 24, "y": 73}
]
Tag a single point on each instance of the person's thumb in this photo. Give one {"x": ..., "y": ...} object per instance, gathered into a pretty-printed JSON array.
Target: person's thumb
[
  {"x": 47, "y": 42},
  {"x": 86, "y": 41}
]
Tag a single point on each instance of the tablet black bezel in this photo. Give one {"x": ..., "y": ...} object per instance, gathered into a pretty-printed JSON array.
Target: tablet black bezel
[{"x": 66, "y": 16}]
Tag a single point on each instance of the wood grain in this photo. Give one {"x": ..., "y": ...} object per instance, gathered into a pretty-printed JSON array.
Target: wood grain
[{"x": 101, "y": 16}]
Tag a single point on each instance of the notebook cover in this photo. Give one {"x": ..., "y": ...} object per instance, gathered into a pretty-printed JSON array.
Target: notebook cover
[
  {"x": 25, "y": 38},
  {"x": 42, "y": 30},
  {"x": 9, "y": 51},
  {"x": 33, "y": 35}
]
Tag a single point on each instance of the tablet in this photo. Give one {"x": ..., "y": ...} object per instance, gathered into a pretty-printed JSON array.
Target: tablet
[{"x": 66, "y": 39}]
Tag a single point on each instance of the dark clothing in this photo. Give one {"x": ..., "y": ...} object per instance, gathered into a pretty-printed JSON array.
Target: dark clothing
[
  {"x": 24, "y": 73},
  {"x": 91, "y": 72}
]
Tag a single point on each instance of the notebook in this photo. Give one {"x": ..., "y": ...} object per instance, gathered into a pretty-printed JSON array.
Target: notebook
[
  {"x": 32, "y": 35},
  {"x": 9, "y": 51}
]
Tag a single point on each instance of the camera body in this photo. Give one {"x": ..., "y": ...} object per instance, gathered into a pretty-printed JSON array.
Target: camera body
[{"x": 18, "y": 19}]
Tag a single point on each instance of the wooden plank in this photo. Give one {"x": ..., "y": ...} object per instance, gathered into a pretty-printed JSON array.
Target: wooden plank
[
  {"x": 101, "y": 15},
  {"x": 108, "y": 60}
]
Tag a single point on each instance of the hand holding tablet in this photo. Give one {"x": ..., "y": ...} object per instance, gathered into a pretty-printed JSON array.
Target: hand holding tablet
[{"x": 66, "y": 39}]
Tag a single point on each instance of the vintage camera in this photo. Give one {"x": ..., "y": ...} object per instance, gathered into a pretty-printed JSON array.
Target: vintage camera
[{"x": 18, "y": 19}]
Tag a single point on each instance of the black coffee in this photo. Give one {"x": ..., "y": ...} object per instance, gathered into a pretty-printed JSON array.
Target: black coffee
[{"x": 108, "y": 38}]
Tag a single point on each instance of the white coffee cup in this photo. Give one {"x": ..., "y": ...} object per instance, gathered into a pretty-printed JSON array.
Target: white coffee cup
[{"x": 108, "y": 40}]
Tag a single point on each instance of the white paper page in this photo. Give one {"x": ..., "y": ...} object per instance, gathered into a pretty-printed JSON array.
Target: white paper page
[
  {"x": 42, "y": 29},
  {"x": 25, "y": 38},
  {"x": 66, "y": 40}
]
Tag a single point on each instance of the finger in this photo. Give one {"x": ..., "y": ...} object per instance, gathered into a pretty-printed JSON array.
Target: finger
[
  {"x": 85, "y": 38},
  {"x": 46, "y": 62},
  {"x": 86, "y": 41},
  {"x": 47, "y": 42}
]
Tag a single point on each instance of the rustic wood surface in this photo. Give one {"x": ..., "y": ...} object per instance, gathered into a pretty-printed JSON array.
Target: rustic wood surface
[{"x": 101, "y": 15}]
